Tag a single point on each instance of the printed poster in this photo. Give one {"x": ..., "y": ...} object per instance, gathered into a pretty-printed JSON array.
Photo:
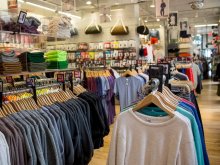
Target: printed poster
[
  {"x": 172, "y": 19},
  {"x": 162, "y": 9}
]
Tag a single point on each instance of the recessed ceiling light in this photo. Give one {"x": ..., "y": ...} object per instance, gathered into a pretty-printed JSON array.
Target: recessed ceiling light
[
  {"x": 153, "y": 4},
  {"x": 158, "y": 19},
  {"x": 88, "y": 2},
  {"x": 116, "y": 3}
]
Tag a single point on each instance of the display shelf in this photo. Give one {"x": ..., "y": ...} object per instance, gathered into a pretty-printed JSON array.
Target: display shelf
[
  {"x": 32, "y": 34},
  {"x": 39, "y": 72}
]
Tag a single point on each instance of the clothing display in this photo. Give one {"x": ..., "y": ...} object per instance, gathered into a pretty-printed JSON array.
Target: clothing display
[
  {"x": 60, "y": 27},
  {"x": 62, "y": 133},
  {"x": 154, "y": 133},
  {"x": 30, "y": 25},
  {"x": 109, "y": 82},
  {"x": 56, "y": 59},
  {"x": 103, "y": 86},
  {"x": 33, "y": 61},
  {"x": 9, "y": 63},
  {"x": 128, "y": 88}
]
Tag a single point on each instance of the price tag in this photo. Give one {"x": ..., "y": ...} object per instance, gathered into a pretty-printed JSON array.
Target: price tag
[
  {"x": 77, "y": 74},
  {"x": 69, "y": 76},
  {"x": 60, "y": 78},
  {"x": 30, "y": 82},
  {"x": 9, "y": 79}
]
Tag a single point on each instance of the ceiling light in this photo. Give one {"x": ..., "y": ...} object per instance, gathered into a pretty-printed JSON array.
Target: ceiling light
[
  {"x": 116, "y": 3},
  {"x": 119, "y": 9},
  {"x": 42, "y": 7},
  {"x": 153, "y": 4},
  {"x": 206, "y": 25},
  {"x": 21, "y": 1},
  {"x": 145, "y": 21},
  {"x": 158, "y": 19},
  {"x": 69, "y": 15},
  {"x": 88, "y": 2}
]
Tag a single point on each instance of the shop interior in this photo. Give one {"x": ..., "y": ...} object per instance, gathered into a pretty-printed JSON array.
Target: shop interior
[{"x": 116, "y": 82}]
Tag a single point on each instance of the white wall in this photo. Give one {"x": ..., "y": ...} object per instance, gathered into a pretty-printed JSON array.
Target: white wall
[{"x": 129, "y": 15}]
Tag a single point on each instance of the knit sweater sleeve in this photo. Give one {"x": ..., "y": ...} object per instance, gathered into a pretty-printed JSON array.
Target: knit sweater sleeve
[
  {"x": 187, "y": 152},
  {"x": 117, "y": 147}
]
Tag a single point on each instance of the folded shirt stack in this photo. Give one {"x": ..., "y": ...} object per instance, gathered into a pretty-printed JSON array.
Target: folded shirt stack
[
  {"x": 60, "y": 27},
  {"x": 30, "y": 25},
  {"x": 185, "y": 49},
  {"x": 33, "y": 61},
  {"x": 9, "y": 63},
  {"x": 56, "y": 59}
]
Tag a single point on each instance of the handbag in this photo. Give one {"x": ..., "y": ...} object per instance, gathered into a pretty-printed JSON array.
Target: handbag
[
  {"x": 119, "y": 29},
  {"x": 93, "y": 28},
  {"x": 142, "y": 29}
]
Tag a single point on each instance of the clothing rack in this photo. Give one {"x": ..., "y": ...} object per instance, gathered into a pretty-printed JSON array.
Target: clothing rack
[{"x": 34, "y": 87}]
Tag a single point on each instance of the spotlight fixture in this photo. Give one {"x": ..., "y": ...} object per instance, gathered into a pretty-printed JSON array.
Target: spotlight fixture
[
  {"x": 153, "y": 4},
  {"x": 88, "y": 2},
  {"x": 158, "y": 19}
]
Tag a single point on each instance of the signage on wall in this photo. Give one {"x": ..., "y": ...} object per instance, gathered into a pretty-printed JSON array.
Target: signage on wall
[
  {"x": 173, "y": 19},
  {"x": 162, "y": 9}
]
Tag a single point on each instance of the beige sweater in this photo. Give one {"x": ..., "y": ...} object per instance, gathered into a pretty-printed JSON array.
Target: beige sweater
[{"x": 145, "y": 140}]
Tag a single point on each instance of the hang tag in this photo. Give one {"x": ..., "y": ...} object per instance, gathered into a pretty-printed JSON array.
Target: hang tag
[
  {"x": 30, "y": 82},
  {"x": 9, "y": 79},
  {"x": 69, "y": 76},
  {"x": 60, "y": 78},
  {"x": 77, "y": 74}
]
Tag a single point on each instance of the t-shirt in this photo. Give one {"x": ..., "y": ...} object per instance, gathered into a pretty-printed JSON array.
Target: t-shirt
[
  {"x": 128, "y": 89},
  {"x": 145, "y": 140},
  {"x": 154, "y": 111}
]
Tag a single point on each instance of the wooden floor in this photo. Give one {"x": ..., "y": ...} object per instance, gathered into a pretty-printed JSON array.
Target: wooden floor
[{"x": 209, "y": 104}]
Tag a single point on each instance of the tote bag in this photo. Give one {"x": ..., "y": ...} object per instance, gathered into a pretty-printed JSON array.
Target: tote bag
[
  {"x": 119, "y": 29},
  {"x": 93, "y": 28}
]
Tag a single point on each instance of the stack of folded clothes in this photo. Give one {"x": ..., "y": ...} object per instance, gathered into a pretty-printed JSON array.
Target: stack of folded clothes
[
  {"x": 30, "y": 25},
  {"x": 56, "y": 59},
  {"x": 60, "y": 27},
  {"x": 33, "y": 61},
  {"x": 9, "y": 63}
]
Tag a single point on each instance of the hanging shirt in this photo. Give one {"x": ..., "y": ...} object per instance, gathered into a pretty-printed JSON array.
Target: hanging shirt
[
  {"x": 155, "y": 111},
  {"x": 140, "y": 139},
  {"x": 196, "y": 73},
  {"x": 150, "y": 58},
  {"x": 128, "y": 89},
  {"x": 4, "y": 156}
]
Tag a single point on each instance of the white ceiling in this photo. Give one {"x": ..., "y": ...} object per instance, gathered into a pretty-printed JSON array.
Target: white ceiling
[{"x": 210, "y": 13}]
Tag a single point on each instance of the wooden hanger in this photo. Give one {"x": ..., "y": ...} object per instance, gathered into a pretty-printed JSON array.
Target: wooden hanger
[
  {"x": 167, "y": 100},
  {"x": 128, "y": 73},
  {"x": 174, "y": 97},
  {"x": 153, "y": 98}
]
